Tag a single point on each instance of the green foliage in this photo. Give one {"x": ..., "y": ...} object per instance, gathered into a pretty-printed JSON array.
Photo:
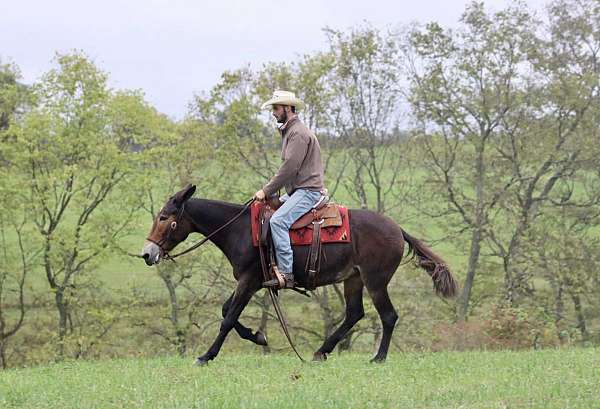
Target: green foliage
[
  {"x": 504, "y": 117},
  {"x": 14, "y": 96},
  {"x": 482, "y": 139}
]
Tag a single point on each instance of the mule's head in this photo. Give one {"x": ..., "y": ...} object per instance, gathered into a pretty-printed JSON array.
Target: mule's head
[{"x": 170, "y": 227}]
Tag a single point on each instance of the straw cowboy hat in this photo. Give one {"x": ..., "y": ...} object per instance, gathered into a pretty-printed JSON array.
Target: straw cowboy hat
[{"x": 283, "y": 98}]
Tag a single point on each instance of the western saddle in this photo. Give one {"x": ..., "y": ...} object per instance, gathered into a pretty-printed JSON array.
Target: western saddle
[{"x": 324, "y": 214}]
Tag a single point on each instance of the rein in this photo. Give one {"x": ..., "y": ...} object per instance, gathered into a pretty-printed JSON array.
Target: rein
[{"x": 167, "y": 256}]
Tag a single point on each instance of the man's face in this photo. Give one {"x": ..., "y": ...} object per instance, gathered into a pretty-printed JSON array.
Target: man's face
[{"x": 280, "y": 113}]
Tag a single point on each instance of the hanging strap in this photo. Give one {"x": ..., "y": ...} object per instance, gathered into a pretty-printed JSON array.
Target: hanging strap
[{"x": 275, "y": 298}]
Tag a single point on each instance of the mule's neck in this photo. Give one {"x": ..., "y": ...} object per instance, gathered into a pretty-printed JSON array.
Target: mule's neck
[{"x": 210, "y": 215}]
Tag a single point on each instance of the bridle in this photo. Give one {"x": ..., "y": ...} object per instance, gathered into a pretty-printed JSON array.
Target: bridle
[
  {"x": 173, "y": 227},
  {"x": 174, "y": 224}
]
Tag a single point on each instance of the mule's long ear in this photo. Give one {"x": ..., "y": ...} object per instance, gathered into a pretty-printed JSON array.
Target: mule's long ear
[{"x": 183, "y": 195}]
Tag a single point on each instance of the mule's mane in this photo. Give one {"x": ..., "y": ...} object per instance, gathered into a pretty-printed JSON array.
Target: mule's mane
[
  {"x": 220, "y": 202},
  {"x": 217, "y": 204}
]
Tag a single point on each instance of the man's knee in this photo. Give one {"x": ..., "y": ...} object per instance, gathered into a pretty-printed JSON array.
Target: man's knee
[{"x": 277, "y": 222}]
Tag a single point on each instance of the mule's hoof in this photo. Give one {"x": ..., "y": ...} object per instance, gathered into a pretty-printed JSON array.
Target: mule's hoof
[
  {"x": 377, "y": 360},
  {"x": 201, "y": 361},
  {"x": 319, "y": 356},
  {"x": 261, "y": 339}
]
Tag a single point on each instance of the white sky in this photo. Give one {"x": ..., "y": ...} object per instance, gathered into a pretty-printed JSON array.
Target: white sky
[{"x": 172, "y": 49}]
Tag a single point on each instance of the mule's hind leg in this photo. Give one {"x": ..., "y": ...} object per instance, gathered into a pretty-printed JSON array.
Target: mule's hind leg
[
  {"x": 388, "y": 316},
  {"x": 244, "y": 332},
  {"x": 353, "y": 294}
]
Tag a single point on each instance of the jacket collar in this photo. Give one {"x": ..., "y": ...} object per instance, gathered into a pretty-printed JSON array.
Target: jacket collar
[{"x": 283, "y": 128}]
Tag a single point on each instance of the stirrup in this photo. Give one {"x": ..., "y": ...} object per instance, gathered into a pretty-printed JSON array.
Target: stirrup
[{"x": 280, "y": 281}]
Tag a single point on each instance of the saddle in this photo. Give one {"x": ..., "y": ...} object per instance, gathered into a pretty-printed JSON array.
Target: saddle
[
  {"x": 323, "y": 215},
  {"x": 325, "y": 212}
]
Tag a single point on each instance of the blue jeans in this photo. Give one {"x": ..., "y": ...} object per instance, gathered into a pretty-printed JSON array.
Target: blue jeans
[{"x": 300, "y": 202}]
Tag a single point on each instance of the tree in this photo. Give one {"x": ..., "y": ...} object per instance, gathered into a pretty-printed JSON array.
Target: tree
[
  {"x": 464, "y": 85},
  {"x": 17, "y": 261},
  {"x": 365, "y": 105},
  {"x": 68, "y": 182},
  {"x": 13, "y": 95},
  {"x": 565, "y": 253},
  {"x": 551, "y": 141}
]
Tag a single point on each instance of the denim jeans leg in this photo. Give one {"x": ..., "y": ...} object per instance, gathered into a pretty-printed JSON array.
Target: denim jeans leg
[{"x": 300, "y": 202}]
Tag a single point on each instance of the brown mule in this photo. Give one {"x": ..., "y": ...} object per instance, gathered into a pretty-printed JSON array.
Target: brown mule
[{"x": 369, "y": 261}]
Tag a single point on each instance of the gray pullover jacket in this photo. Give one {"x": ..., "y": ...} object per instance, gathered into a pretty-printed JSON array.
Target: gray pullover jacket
[{"x": 301, "y": 167}]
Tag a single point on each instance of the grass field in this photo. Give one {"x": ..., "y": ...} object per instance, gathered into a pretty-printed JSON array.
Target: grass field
[{"x": 533, "y": 379}]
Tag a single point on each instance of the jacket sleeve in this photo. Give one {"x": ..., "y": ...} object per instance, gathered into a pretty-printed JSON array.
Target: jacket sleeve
[{"x": 294, "y": 154}]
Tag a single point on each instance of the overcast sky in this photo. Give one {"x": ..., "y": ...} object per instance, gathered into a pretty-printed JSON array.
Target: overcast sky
[{"x": 172, "y": 49}]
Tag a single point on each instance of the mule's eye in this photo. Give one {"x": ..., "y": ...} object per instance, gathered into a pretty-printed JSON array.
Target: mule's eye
[
  {"x": 162, "y": 218},
  {"x": 173, "y": 225}
]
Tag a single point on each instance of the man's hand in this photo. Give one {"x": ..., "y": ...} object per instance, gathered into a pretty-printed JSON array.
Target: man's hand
[{"x": 260, "y": 195}]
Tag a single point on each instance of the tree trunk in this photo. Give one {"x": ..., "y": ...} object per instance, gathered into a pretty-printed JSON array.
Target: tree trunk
[
  {"x": 180, "y": 334},
  {"x": 322, "y": 297},
  {"x": 514, "y": 280},
  {"x": 477, "y": 235},
  {"x": 463, "y": 301},
  {"x": 346, "y": 343},
  {"x": 61, "y": 305},
  {"x": 3, "y": 353},
  {"x": 581, "y": 324},
  {"x": 559, "y": 315}
]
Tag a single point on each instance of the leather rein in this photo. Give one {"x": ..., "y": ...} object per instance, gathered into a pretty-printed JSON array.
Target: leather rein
[{"x": 180, "y": 215}]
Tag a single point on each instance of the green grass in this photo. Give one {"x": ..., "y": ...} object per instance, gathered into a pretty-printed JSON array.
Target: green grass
[{"x": 544, "y": 379}]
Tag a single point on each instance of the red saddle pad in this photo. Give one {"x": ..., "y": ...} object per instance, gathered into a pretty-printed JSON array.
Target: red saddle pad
[{"x": 303, "y": 237}]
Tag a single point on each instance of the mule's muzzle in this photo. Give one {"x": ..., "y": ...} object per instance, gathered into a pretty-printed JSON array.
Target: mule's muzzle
[{"x": 151, "y": 254}]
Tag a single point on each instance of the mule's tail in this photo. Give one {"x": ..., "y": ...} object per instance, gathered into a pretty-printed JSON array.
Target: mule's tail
[{"x": 443, "y": 280}]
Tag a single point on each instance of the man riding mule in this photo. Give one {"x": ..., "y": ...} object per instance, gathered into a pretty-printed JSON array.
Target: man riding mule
[
  {"x": 368, "y": 261},
  {"x": 300, "y": 173}
]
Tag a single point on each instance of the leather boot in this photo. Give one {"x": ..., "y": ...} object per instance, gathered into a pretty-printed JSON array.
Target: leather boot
[
  {"x": 281, "y": 280},
  {"x": 289, "y": 280}
]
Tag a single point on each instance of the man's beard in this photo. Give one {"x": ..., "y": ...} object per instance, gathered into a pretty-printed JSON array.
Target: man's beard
[{"x": 283, "y": 118}]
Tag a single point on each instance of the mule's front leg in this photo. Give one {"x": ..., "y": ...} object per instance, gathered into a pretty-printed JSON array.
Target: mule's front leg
[
  {"x": 244, "y": 332},
  {"x": 244, "y": 291}
]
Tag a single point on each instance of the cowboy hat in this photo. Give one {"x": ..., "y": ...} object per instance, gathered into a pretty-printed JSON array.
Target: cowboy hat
[{"x": 283, "y": 98}]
